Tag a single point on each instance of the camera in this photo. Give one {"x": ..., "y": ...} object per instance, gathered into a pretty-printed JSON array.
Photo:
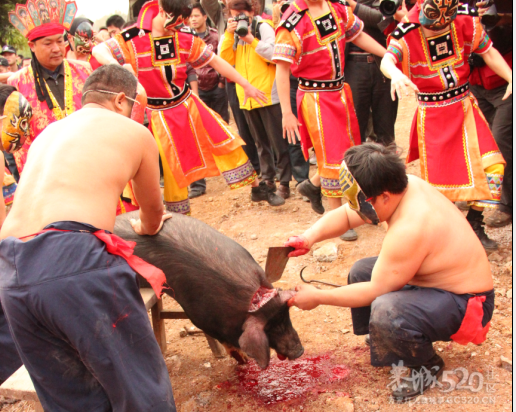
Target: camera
[
  {"x": 389, "y": 7},
  {"x": 242, "y": 25},
  {"x": 491, "y": 17},
  {"x": 285, "y": 6}
]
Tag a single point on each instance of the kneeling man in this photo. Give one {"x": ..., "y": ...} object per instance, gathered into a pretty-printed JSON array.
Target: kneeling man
[
  {"x": 69, "y": 295},
  {"x": 432, "y": 280}
]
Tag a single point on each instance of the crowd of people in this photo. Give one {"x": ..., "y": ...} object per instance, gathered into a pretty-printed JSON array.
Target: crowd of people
[{"x": 305, "y": 76}]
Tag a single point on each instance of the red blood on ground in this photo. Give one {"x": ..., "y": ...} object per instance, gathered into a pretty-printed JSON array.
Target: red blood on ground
[{"x": 288, "y": 381}]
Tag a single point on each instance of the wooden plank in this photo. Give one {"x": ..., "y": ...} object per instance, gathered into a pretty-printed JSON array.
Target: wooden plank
[
  {"x": 158, "y": 325},
  {"x": 173, "y": 314},
  {"x": 149, "y": 297},
  {"x": 19, "y": 386}
]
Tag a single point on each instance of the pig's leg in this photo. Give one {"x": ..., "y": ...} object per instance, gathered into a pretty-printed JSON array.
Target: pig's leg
[{"x": 236, "y": 354}]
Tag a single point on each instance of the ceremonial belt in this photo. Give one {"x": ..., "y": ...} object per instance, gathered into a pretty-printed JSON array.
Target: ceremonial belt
[
  {"x": 160, "y": 103},
  {"x": 308, "y": 85},
  {"x": 115, "y": 245},
  {"x": 446, "y": 97},
  {"x": 471, "y": 329}
]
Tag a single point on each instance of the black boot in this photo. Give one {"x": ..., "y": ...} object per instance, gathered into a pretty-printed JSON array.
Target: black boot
[
  {"x": 313, "y": 193},
  {"x": 265, "y": 191},
  {"x": 419, "y": 380},
  {"x": 476, "y": 220}
]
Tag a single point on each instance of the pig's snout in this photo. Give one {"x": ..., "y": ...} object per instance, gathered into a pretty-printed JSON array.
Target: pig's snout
[{"x": 297, "y": 353}]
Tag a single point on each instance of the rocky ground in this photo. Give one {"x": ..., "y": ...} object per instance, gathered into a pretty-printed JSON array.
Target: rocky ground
[{"x": 336, "y": 363}]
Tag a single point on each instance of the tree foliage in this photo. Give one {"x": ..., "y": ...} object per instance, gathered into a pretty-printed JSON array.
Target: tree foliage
[{"x": 8, "y": 34}]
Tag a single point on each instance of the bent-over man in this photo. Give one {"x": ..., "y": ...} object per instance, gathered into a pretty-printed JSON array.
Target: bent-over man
[
  {"x": 72, "y": 303},
  {"x": 432, "y": 280}
]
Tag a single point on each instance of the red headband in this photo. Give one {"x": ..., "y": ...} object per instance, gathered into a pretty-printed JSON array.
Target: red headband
[{"x": 45, "y": 30}]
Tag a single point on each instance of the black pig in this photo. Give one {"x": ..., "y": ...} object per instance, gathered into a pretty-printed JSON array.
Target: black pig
[{"x": 220, "y": 286}]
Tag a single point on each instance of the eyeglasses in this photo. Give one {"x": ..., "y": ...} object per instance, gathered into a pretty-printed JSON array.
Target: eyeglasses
[{"x": 108, "y": 92}]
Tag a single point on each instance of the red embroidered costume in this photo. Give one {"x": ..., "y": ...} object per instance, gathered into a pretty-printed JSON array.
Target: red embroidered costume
[
  {"x": 315, "y": 48},
  {"x": 194, "y": 142},
  {"x": 449, "y": 134}
]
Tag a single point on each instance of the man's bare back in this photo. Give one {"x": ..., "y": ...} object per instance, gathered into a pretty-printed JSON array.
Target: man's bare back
[
  {"x": 77, "y": 169},
  {"x": 454, "y": 259}
]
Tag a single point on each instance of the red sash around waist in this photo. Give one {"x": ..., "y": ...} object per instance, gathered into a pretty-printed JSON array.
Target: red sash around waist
[
  {"x": 125, "y": 249},
  {"x": 471, "y": 329}
]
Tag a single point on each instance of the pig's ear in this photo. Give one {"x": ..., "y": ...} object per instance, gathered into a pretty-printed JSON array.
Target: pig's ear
[
  {"x": 286, "y": 295},
  {"x": 254, "y": 341}
]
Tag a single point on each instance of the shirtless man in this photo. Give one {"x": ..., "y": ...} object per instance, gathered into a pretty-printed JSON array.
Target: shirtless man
[
  {"x": 74, "y": 309},
  {"x": 428, "y": 272}
]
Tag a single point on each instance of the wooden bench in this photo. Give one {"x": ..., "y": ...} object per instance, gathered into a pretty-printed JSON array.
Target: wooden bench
[
  {"x": 158, "y": 316},
  {"x": 20, "y": 386}
]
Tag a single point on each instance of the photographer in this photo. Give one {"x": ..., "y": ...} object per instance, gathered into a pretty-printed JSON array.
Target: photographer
[
  {"x": 489, "y": 89},
  {"x": 248, "y": 44}
]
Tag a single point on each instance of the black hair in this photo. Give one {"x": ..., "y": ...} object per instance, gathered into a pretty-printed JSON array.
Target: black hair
[
  {"x": 21, "y": 56},
  {"x": 242, "y": 5},
  {"x": 130, "y": 23},
  {"x": 377, "y": 169},
  {"x": 199, "y": 7},
  {"x": 177, "y": 8},
  {"x": 110, "y": 78},
  {"x": 5, "y": 92},
  {"x": 115, "y": 20},
  {"x": 103, "y": 28}
]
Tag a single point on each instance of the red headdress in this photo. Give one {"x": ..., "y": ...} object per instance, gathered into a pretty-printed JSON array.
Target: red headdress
[{"x": 42, "y": 18}]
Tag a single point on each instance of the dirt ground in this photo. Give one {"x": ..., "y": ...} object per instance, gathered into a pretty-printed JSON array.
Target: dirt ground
[{"x": 203, "y": 383}]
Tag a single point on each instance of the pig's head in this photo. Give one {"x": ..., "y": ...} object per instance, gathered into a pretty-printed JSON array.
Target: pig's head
[{"x": 270, "y": 327}]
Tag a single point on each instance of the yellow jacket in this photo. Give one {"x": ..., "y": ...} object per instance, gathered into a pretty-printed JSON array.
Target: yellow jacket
[{"x": 253, "y": 62}]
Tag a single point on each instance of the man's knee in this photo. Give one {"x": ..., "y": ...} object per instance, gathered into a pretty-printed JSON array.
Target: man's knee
[{"x": 361, "y": 271}]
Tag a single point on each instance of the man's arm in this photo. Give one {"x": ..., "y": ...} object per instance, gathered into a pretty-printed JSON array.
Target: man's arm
[
  {"x": 290, "y": 122},
  {"x": 228, "y": 71},
  {"x": 146, "y": 187},
  {"x": 103, "y": 55},
  {"x": 395, "y": 267},
  {"x": 331, "y": 225},
  {"x": 370, "y": 16},
  {"x": 496, "y": 63},
  {"x": 367, "y": 43},
  {"x": 399, "y": 82}
]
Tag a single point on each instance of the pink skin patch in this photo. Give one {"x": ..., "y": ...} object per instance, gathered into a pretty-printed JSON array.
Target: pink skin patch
[{"x": 261, "y": 297}]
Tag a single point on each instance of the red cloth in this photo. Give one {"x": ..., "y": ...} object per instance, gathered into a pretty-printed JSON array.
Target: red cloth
[
  {"x": 45, "y": 30},
  {"x": 471, "y": 329},
  {"x": 125, "y": 249},
  {"x": 487, "y": 78}
]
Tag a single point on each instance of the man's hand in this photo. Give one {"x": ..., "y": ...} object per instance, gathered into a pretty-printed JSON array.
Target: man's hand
[
  {"x": 140, "y": 230},
  {"x": 300, "y": 243},
  {"x": 401, "y": 83},
  {"x": 508, "y": 91},
  {"x": 291, "y": 128},
  {"x": 129, "y": 67},
  {"x": 252, "y": 92},
  {"x": 248, "y": 38},
  {"x": 232, "y": 25},
  {"x": 306, "y": 297}
]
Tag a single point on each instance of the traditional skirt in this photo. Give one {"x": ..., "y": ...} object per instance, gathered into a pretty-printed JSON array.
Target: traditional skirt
[
  {"x": 194, "y": 143},
  {"x": 452, "y": 139},
  {"x": 329, "y": 125}
]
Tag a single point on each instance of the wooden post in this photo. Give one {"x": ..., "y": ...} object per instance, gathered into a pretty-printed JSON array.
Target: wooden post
[{"x": 158, "y": 325}]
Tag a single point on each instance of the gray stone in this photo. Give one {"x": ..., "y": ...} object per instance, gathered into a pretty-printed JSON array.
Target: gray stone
[{"x": 327, "y": 253}]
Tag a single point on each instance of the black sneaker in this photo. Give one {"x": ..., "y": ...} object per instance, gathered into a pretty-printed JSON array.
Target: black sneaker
[
  {"x": 192, "y": 194},
  {"x": 478, "y": 227},
  {"x": 313, "y": 193},
  {"x": 265, "y": 191},
  {"x": 419, "y": 379}
]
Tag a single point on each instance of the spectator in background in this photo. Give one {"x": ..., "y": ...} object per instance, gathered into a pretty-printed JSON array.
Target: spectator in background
[
  {"x": 371, "y": 90},
  {"x": 102, "y": 35},
  {"x": 19, "y": 60},
  {"x": 489, "y": 88},
  {"x": 211, "y": 85},
  {"x": 115, "y": 24},
  {"x": 26, "y": 62},
  {"x": 251, "y": 55},
  {"x": 4, "y": 65},
  {"x": 9, "y": 53}
]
